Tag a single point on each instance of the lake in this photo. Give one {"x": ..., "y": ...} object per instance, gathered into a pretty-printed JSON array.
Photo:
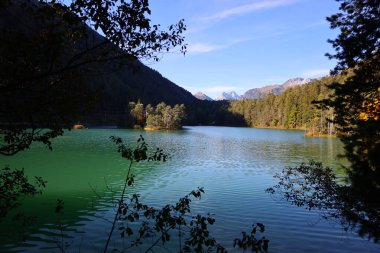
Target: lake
[{"x": 234, "y": 165}]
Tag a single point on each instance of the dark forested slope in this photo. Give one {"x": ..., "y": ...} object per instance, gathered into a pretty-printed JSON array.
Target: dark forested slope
[{"x": 100, "y": 70}]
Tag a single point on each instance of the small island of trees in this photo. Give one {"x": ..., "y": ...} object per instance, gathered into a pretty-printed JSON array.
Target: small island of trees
[{"x": 161, "y": 117}]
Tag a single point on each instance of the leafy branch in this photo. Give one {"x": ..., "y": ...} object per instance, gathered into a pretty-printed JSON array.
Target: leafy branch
[
  {"x": 139, "y": 221},
  {"x": 317, "y": 188}
]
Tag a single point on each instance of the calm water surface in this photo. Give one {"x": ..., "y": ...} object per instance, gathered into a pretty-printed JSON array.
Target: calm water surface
[{"x": 234, "y": 165}]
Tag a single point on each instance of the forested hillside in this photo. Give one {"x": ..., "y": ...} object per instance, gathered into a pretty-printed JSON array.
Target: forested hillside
[
  {"x": 292, "y": 109},
  {"x": 100, "y": 78}
]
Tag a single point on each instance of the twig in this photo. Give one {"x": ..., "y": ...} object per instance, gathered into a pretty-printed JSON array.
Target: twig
[
  {"x": 157, "y": 241},
  {"x": 120, "y": 202}
]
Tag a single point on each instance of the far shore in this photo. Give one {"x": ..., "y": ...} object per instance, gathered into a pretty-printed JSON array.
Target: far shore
[{"x": 307, "y": 134}]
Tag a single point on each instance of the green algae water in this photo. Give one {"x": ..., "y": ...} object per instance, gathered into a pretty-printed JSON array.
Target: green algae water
[{"x": 234, "y": 165}]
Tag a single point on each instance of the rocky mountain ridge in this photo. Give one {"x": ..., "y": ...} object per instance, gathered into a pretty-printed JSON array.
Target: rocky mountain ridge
[
  {"x": 275, "y": 89},
  {"x": 232, "y": 95},
  {"x": 257, "y": 93},
  {"x": 202, "y": 96}
]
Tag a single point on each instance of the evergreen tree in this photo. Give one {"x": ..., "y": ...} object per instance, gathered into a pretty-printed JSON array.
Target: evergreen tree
[
  {"x": 356, "y": 103},
  {"x": 138, "y": 114}
]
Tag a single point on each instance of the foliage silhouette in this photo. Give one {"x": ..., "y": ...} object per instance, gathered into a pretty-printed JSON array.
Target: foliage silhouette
[
  {"x": 356, "y": 102},
  {"x": 358, "y": 41},
  {"x": 316, "y": 187},
  {"x": 139, "y": 222},
  {"x": 249, "y": 241},
  {"x": 14, "y": 184}
]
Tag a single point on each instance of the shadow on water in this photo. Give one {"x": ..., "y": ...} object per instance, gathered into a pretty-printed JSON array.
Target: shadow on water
[{"x": 85, "y": 171}]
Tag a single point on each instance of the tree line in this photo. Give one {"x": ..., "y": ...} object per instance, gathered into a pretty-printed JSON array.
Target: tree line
[{"x": 295, "y": 108}]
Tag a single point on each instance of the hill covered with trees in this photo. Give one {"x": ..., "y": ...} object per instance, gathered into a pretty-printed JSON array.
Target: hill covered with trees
[{"x": 291, "y": 109}]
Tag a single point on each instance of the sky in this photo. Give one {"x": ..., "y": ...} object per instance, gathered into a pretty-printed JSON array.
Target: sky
[{"x": 243, "y": 44}]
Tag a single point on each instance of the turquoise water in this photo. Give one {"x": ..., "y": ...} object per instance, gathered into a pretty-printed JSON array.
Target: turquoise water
[{"x": 234, "y": 165}]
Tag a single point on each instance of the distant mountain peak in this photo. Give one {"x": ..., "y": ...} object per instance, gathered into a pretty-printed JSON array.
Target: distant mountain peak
[
  {"x": 202, "y": 96},
  {"x": 232, "y": 95},
  {"x": 275, "y": 89},
  {"x": 296, "y": 81}
]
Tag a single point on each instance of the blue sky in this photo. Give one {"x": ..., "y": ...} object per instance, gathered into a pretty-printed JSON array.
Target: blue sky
[{"x": 243, "y": 44}]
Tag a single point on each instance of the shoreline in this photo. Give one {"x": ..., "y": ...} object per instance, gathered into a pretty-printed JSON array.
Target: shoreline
[{"x": 149, "y": 129}]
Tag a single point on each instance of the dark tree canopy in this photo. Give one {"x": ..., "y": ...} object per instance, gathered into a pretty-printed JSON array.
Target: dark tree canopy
[
  {"x": 356, "y": 103},
  {"x": 125, "y": 24},
  {"x": 359, "y": 25}
]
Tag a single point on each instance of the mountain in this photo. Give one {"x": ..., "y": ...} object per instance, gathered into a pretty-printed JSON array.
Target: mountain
[
  {"x": 232, "y": 95},
  {"x": 116, "y": 82},
  {"x": 260, "y": 92},
  {"x": 295, "y": 82},
  {"x": 202, "y": 96},
  {"x": 274, "y": 89}
]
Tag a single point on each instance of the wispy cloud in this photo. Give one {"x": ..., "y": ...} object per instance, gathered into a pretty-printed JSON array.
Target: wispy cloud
[
  {"x": 316, "y": 72},
  {"x": 203, "y": 48},
  {"x": 199, "y": 48},
  {"x": 249, "y": 8}
]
